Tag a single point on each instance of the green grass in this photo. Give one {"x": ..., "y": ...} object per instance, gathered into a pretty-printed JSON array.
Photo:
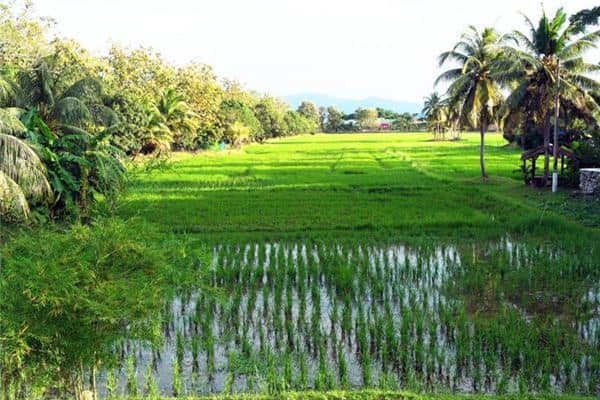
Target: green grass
[{"x": 327, "y": 185}]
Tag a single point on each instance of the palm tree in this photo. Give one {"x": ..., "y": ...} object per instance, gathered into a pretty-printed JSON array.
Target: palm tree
[
  {"x": 473, "y": 85},
  {"x": 57, "y": 146},
  {"x": 553, "y": 48},
  {"x": 72, "y": 126},
  {"x": 22, "y": 174},
  {"x": 80, "y": 105},
  {"x": 171, "y": 113},
  {"x": 434, "y": 110}
]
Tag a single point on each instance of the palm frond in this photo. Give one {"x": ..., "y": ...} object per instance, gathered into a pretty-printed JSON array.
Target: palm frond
[
  {"x": 10, "y": 93},
  {"x": 581, "y": 45},
  {"x": 451, "y": 55},
  {"x": 21, "y": 164},
  {"x": 516, "y": 98},
  {"x": 88, "y": 90},
  {"x": 38, "y": 85},
  {"x": 579, "y": 66},
  {"x": 581, "y": 101},
  {"x": 584, "y": 82},
  {"x": 71, "y": 111},
  {"x": 103, "y": 115},
  {"x": 13, "y": 204},
  {"x": 521, "y": 39},
  {"x": 10, "y": 123}
]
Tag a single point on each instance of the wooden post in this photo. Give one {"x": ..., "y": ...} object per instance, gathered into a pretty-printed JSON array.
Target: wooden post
[{"x": 533, "y": 169}]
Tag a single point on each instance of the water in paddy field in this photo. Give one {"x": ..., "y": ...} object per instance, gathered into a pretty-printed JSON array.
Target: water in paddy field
[{"x": 305, "y": 315}]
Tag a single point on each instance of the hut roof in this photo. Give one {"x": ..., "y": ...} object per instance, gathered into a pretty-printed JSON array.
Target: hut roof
[{"x": 538, "y": 151}]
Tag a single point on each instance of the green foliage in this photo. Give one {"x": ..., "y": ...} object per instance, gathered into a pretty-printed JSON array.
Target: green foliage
[
  {"x": 239, "y": 122},
  {"x": 333, "y": 119},
  {"x": 367, "y": 117},
  {"x": 269, "y": 113},
  {"x": 295, "y": 123},
  {"x": 474, "y": 83},
  {"x": 132, "y": 130},
  {"x": 309, "y": 111},
  {"x": 68, "y": 299},
  {"x": 554, "y": 47}
]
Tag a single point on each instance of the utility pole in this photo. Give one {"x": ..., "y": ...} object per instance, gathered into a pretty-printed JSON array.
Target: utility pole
[{"x": 555, "y": 146}]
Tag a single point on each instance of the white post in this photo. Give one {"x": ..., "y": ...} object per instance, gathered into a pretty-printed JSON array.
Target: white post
[{"x": 555, "y": 145}]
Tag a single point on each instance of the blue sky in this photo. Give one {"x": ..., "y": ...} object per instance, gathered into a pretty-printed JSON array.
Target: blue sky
[{"x": 343, "y": 48}]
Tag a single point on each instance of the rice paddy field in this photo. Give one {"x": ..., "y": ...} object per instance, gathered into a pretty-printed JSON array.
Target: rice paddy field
[{"x": 362, "y": 261}]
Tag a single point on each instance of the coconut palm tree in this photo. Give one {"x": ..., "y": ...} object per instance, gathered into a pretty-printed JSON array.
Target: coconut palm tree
[
  {"x": 553, "y": 48},
  {"x": 171, "y": 113},
  {"x": 23, "y": 176},
  {"x": 55, "y": 145},
  {"x": 434, "y": 110},
  {"x": 81, "y": 105},
  {"x": 472, "y": 83}
]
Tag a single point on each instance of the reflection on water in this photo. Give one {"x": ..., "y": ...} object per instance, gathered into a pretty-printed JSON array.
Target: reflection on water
[{"x": 298, "y": 315}]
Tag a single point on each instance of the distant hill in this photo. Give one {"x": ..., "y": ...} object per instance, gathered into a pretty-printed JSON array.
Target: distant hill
[{"x": 349, "y": 105}]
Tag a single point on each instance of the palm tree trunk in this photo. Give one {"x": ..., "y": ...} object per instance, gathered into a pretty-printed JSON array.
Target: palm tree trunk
[{"x": 481, "y": 148}]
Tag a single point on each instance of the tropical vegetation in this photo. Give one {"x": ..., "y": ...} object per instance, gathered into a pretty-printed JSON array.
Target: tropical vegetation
[{"x": 167, "y": 232}]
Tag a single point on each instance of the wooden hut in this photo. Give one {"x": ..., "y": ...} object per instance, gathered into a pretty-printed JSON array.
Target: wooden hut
[{"x": 532, "y": 156}]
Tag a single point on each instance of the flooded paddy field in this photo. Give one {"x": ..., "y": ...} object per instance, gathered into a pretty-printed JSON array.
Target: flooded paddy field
[{"x": 494, "y": 317}]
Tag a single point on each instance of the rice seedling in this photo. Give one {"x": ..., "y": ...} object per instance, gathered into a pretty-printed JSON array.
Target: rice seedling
[
  {"x": 150, "y": 387},
  {"x": 111, "y": 383},
  {"x": 132, "y": 385},
  {"x": 175, "y": 377},
  {"x": 426, "y": 318}
]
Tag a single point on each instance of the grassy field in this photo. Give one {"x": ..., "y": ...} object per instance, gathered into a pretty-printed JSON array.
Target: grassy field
[
  {"x": 373, "y": 260},
  {"x": 343, "y": 184}
]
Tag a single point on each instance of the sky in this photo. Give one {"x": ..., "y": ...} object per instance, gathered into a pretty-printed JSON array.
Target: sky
[{"x": 345, "y": 48}]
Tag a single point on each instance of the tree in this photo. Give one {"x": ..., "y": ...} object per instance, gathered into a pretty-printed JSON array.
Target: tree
[
  {"x": 199, "y": 86},
  {"x": 434, "y": 109},
  {"x": 22, "y": 38},
  {"x": 23, "y": 176},
  {"x": 175, "y": 115},
  {"x": 139, "y": 73},
  {"x": 334, "y": 119},
  {"x": 239, "y": 122},
  {"x": 309, "y": 111},
  {"x": 403, "y": 122},
  {"x": 133, "y": 127},
  {"x": 474, "y": 86},
  {"x": 323, "y": 118},
  {"x": 584, "y": 18},
  {"x": 295, "y": 123},
  {"x": 269, "y": 112},
  {"x": 387, "y": 114},
  {"x": 68, "y": 131},
  {"x": 554, "y": 47},
  {"x": 367, "y": 117}
]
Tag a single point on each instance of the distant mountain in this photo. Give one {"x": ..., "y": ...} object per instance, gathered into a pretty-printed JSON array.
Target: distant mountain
[{"x": 349, "y": 105}]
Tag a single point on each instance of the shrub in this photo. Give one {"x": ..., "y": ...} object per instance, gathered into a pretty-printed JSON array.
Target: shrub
[{"x": 70, "y": 297}]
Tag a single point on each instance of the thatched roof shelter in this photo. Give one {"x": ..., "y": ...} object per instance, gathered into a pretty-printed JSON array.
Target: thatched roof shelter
[{"x": 533, "y": 154}]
